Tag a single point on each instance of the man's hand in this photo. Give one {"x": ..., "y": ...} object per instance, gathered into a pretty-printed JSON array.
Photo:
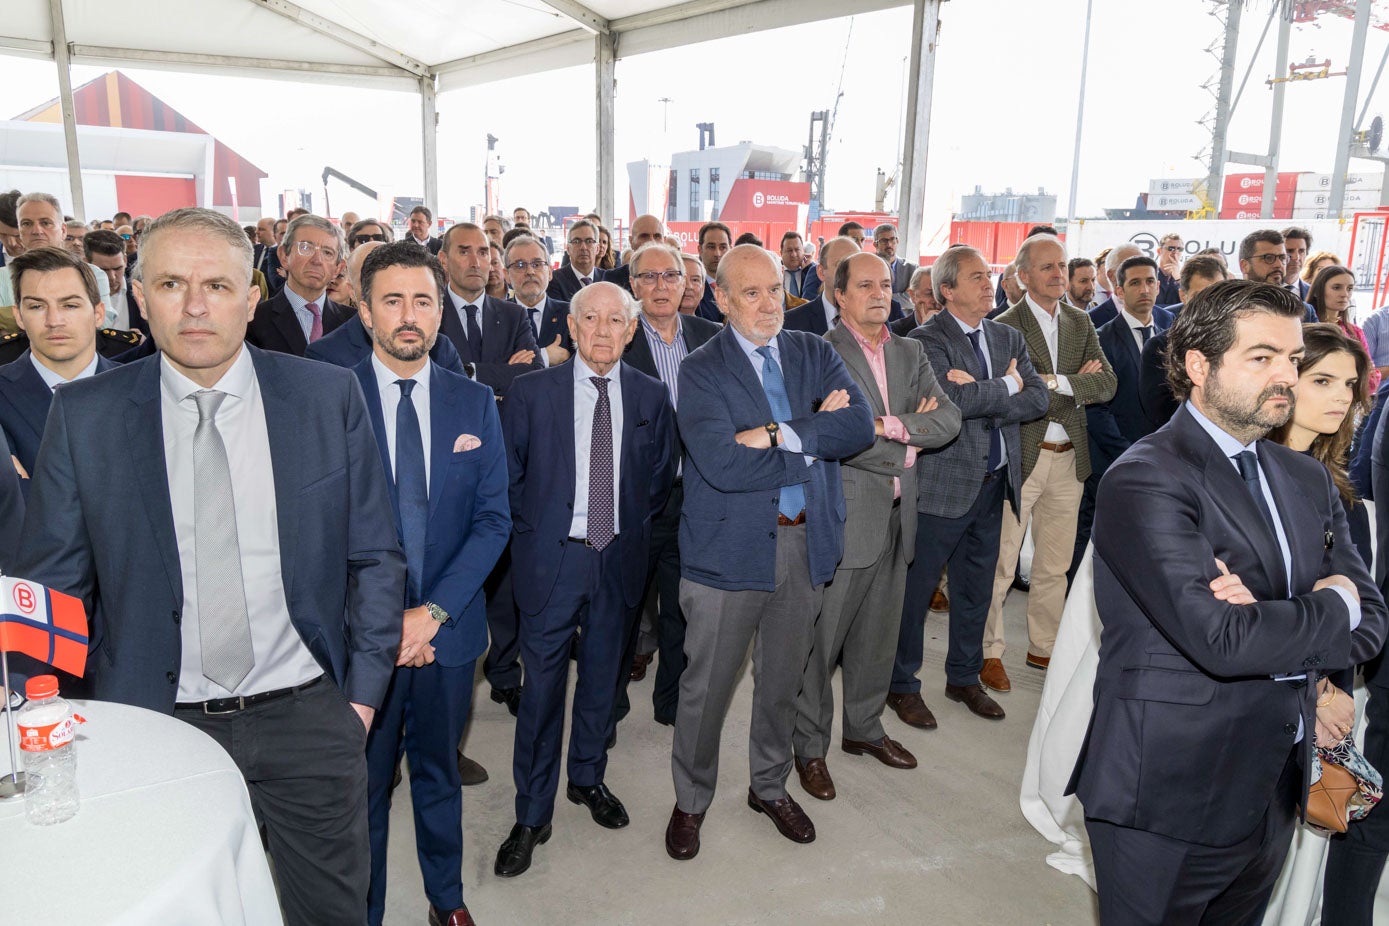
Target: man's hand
[
  {"x": 19, "y": 467},
  {"x": 1229, "y": 588},
  {"x": 523, "y": 356},
  {"x": 756, "y": 438},
  {"x": 959, "y": 377},
  {"x": 1336, "y": 719},
  {"x": 1013, "y": 372},
  {"x": 927, "y": 404},
  {"x": 364, "y": 712},
  {"x": 1338, "y": 581},
  {"x": 554, "y": 353},
  {"x": 418, "y": 629},
  {"x": 1090, "y": 366},
  {"x": 835, "y": 401}
]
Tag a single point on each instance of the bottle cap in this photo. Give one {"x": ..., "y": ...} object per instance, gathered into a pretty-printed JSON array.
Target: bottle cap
[{"x": 41, "y": 686}]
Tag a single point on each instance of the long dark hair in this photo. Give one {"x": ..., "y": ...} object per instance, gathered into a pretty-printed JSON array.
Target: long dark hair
[
  {"x": 1317, "y": 294},
  {"x": 607, "y": 260},
  {"x": 1333, "y": 450}
]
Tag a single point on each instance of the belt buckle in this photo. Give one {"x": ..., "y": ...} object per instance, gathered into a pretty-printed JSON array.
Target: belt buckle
[{"x": 240, "y": 705}]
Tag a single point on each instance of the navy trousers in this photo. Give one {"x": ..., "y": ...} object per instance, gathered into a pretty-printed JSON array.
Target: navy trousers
[{"x": 502, "y": 667}]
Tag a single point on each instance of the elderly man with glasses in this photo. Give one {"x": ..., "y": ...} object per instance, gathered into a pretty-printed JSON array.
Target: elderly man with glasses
[{"x": 301, "y": 313}]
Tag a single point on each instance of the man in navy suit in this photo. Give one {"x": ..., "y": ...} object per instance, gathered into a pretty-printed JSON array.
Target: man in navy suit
[
  {"x": 645, "y": 229},
  {"x": 799, "y": 274},
  {"x": 420, "y": 222},
  {"x": 1264, "y": 258},
  {"x": 1297, "y": 242},
  {"x": 591, "y": 450},
  {"x": 249, "y": 580},
  {"x": 1227, "y": 582},
  {"x": 1107, "y": 311},
  {"x": 491, "y": 334},
  {"x": 440, "y": 440},
  {"x": 57, "y": 306},
  {"x": 582, "y": 250},
  {"x": 1154, "y": 393},
  {"x": 312, "y": 253},
  {"x": 765, "y": 416},
  {"x": 527, "y": 266},
  {"x": 1169, "y": 261},
  {"x": 818, "y": 315}
]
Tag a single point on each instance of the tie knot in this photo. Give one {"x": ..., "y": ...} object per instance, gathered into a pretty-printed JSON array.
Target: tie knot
[
  {"x": 471, "y": 310},
  {"x": 1248, "y": 463},
  {"x": 209, "y": 400},
  {"x": 586, "y": 280},
  {"x": 406, "y": 386},
  {"x": 973, "y": 335},
  {"x": 766, "y": 352},
  {"x": 314, "y": 310},
  {"x": 600, "y": 383}
]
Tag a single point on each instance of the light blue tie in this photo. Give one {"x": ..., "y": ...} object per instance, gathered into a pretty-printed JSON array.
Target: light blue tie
[{"x": 792, "y": 501}]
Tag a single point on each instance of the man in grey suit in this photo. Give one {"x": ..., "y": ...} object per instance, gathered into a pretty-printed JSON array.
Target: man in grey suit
[
  {"x": 985, "y": 370},
  {"x": 885, "y": 243},
  {"x": 862, "y": 604}
]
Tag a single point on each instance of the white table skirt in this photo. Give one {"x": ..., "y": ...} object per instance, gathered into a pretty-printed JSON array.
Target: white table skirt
[{"x": 165, "y": 833}]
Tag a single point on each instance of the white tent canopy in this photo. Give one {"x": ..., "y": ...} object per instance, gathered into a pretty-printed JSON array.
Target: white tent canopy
[{"x": 431, "y": 46}]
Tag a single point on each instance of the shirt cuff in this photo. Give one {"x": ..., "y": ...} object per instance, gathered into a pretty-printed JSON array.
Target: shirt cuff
[
  {"x": 893, "y": 429},
  {"x": 791, "y": 442},
  {"x": 544, "y": 357},
  {"x": 1011, "y": 385},
  {"x": 1063, "y": 385},
  {"x": 1352, "y": 606}
]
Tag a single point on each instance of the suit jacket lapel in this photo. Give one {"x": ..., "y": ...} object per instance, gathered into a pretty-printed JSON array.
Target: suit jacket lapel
[
  {"x": 443, "y": 421},
  {"x": 145, "y": 429},
  {"x": 1036, "y": 341},
  {"x": 285, "y": 422},
  {"x": 737, "y": 363},
  {"x": 287, "y": 323},
  {"x": 692, "y": 336},
  {"x": 638, "y": 352},
  {"x": 899, "y": 374},
  {"x": 1307, "y": 546},
  {"x": 32, "y": 392},
  {"x": 562, "y": 399},
  {"x": 852, "y": 355},
  {"x": 366, "y": 376}
]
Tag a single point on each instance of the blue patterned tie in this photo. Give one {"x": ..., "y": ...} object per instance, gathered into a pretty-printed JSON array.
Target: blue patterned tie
[
  {"x": 411, "y": 489},
  {"x": 792, "y": 501},
  {"x": 601, "y": 507},
  {"x": 995, "y": 436}
]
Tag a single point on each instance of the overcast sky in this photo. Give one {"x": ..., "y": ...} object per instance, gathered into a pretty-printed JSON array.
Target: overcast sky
[{"x": 1007, "y": 80}]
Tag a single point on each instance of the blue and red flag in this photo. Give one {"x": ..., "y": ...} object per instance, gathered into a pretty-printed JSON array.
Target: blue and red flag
[{"x": 47, "y": 625}]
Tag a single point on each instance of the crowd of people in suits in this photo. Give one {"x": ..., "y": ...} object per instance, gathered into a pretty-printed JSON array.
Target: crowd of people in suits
[{"x": 472, "y": 455}]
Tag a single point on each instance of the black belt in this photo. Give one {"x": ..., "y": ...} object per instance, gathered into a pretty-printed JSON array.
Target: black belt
[
  {"x": 584, "y": 541},
  {"x": 241, "y": 702}
]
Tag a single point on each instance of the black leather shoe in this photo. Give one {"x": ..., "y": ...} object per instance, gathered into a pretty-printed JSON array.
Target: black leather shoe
[
  {"x": 511, "y": 697},
  {"x": 976, "y": 699},
  {"x": 470, "y": 772},
  {"x": 607, "y": 810},
  {"x": 514, "y": 856},
  {"x": 1021, "y": 584}
]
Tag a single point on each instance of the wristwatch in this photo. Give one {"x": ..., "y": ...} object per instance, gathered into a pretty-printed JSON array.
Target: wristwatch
[
  {"x": 436, "y": 612},
  {"x": 773, "y": 432},
  {"x": 1052, "y": 384}
]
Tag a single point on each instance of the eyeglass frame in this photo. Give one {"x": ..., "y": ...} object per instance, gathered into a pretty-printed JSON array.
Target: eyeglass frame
[
  {"x": 650, "y": 277},
  {"x": 308, "y": 249}
]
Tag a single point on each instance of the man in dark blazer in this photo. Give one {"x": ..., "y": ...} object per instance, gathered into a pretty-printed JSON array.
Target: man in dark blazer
[
  {"x": 281, "y": 646},
  {"x": 421, "y": 220},
  {"x": 924, "y": 306},
  {"x": 1107, "y": 311},
  {"x": 1297, "y": 242},
  {"x": 56, "y": 304},
  {"x": 582, "y": 251},
  {"x": 592, "y": 451},
  {"x": 645, "y": 229},
  {"x": 301, "y": 312},
  {"x": 491, "y": 335},
  {"x": 1227, "y": 582},
  {"x": 961, "y": 487},
  {"x": 817, "y": 316},
  {"x": 798, "y": 273},
  {"x": 862, "y": 609},
  {"x": 885, "y": 244},
  {"x": 663, "y": 332},
  {"x": 1154, "y": 393},
  {"x": 452, "y": 519},
  {"x": 765, "y": 416},
  {"x": 527, "y": 266}
]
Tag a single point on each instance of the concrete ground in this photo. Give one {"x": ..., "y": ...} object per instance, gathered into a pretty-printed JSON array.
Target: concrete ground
[{"x": 943, "y": 843}]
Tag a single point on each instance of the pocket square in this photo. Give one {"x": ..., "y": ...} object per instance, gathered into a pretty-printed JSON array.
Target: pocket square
[{"x": 466, "y": 442}]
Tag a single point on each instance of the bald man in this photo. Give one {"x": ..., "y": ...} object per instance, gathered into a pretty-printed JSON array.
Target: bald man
[{"x": 820, "y": 315}]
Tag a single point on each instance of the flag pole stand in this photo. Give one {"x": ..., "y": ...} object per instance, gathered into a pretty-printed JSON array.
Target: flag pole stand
[{"x": 13, "y": 783}]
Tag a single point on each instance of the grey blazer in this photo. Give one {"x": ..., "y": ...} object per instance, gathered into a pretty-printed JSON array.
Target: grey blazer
[
  {"x": 868, "y": 474},
  {"x": 902, "y": 276},
  {"x": 948, "y": 479}
]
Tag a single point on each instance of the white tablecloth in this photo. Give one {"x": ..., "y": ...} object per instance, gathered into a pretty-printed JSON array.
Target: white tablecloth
[{"x": 165, "y": 833}]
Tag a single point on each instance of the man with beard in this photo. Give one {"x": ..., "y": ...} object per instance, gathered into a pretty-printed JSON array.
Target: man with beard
[
  {"x": 1224, "y": 574},
  {"x": 1263, "y": 258}
]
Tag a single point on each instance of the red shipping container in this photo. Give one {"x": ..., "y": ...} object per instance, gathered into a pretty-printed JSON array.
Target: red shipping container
[
  {"x": 1253, "y": 214},
  {"x": 1254, "y": 183}
]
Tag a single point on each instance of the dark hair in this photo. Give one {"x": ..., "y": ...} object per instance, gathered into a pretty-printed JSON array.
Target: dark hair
[
  {"x": 362, "y": 224},
  {"x": 51, "y": 260},
  {"x": 1216, "y": 254},
  {"x": 707, "y": 227},
  {"x": 786, "y": 236},
  {"x": 847, "y": 227},
  {"x": 1074, "y": 264},
  {"x": 102, "y": 241},
  {"x": 517, "y": 232},
  {"x": 424, "y": 211},
  {"x": 1207, "y": 324},
  {"x": 1204, "y": 266},
  {"x": 399, "y": 254},
  {"x": 9, "y": 208},
  {"x": 1297, "y": 231},
  {"x": 1043, "y": 230},
  {"x": 1266, "y": 235},
  {"x": 1333, "y": 450},
  {"x": 1132, "y": 262},
  {"x": 1316, "y": 296},
  {"x": 459, "y": 226},
  {"x": 748, "y": 238}
]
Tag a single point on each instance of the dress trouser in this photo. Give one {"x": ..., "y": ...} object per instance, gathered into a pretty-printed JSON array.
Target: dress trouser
[
  {"x": 305, "y": 766},
  {"x": 858, "y": 627},
  {"x": 721, "y": 624},
  {"x": 1050, "y": 500},
  {"x": 663, "y": 572},
  {"x": 502, "y": 667}
]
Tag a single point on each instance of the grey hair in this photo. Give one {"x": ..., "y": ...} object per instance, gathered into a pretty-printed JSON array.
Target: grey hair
[
  {"x": 721, "y": 272},
  {"x": 194, "y": 219},
  {"x": 582, "y": 223},
  {"x": 919, "y": 274},
  {"x": 946, "y": 270},
  {"x": 583, "y": 297},
  {"x": 73, "y": 223},
  {"x": 520, "y": 240},
  {"x": 309, "y": 220},
  {"x": 661, "y": 246},
  {"x": 1023, "y": 260},
  {"x": 503, "y": 221},
  {"x": 886, "y": 226},
  {"x": 48, "y": 198},
  {"x": 1117, "y": 255}
]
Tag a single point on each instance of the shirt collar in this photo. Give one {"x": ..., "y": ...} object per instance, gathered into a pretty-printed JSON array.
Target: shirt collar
[
  {"x": 651, "y": 330},
  {"x": 583, "y": 372},
  {"x": 386, "y": 378},
  {"x": 237, "y": 381},
  {"x": 1043, "y": 316},
  {"x": 1133, "y": 321},
  {"x": 1228, "y": 445},
  {"x": 299, "y": 303},
  {"x": 540, "y": 306},
  {"x": 459, "y": 302},
  {"x": 592, "y": 274},
  {"x": 750, "y": 349},
  {"x": 865, "y": 343},
  {"x": 53, "y": 380},
  {"x": 963, "y": 327}
]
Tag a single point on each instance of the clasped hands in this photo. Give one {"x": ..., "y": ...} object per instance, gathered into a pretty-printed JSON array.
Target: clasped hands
[
  {"x": 927, "y": 404},
  {"x": 417, "y": 630},
  {"x": 758, "y": 438}
]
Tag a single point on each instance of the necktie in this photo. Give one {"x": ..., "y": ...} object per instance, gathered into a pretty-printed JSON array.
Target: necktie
[
  {"x": 792, "y": 500},
  {"x": 1248, "y": 462},
  {"x": 601, "y": 508},
  {"x": 795, "y": 282},
  {"x": 586, "y": 280},
  {"x": 535, "y": 323},
  {"x": 224, "y": 627},
  {"x": 995, "y": 436},
  {"x": 315, "y": 329},
  {"x": 474, "y": 332},
  {"x": 410, "y": 485},
  {"x": 1147, "y": 332}
]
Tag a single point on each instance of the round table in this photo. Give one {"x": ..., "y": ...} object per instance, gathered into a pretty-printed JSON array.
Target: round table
[{"x": 165, "y": 833}]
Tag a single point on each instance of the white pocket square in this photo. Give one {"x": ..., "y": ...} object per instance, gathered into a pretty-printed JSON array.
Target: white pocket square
[{"x": 466, "y": 442}]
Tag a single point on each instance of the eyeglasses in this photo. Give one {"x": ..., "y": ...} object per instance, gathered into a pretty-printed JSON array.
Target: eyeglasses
[
  {"x": 521, "y": 266},
  {"x": 892, "y": 240},
  {"x": 309, "y": 249},
  {"x": 359, "y": 239},
  {"x": 584, "y": 241},
  {"x": 1271, "y": 259},
  {"x": 73, "y": 237},
  {"x": 1171, "y": 248},
  {"x": 651, "y": 277}
]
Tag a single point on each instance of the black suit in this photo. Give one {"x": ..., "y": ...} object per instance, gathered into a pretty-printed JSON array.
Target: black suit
[
  {"x": 564, "y": 284},
  {"x": 276, "y": 327},
  {"x": 904, "y": 325},
  {"x": 24, "y": 402},
  {"x": 554, "y": 321},
  {"x": 811, "y": 316},
  {"x": 505, "y": 330},
  {"x": 267, "y": 261}
]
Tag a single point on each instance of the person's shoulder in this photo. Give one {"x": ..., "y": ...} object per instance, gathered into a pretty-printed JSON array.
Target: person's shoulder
[
  {"x": 300, "y": 371},
  {"x": 1301, "y": 466},
  {"x": 701, "y": 325},
  {"x": 461, "y": 386}
]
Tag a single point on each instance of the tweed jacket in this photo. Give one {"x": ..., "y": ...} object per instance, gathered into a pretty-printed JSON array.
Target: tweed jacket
[{"x": 1076, "y": 344}]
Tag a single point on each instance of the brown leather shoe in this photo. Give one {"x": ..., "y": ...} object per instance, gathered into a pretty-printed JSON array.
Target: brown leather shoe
[
  {"x": 1038, "y": 662},
  {"x": 459, "y": 917},
  {"x": 815, "y": 778},
  {"x": 992, "y": 675},
  {"x": 938, "y": 601},
  {"x": 886, "y": 750},
  {"x": 790, "y": 820},
  {"x": 976, "y": 699},
  {"x": 639, "y": 663},
  {"x": 470, "y": 773},
  {"x": 682, "y": 834},
  {"x": 911, "y": 710}
]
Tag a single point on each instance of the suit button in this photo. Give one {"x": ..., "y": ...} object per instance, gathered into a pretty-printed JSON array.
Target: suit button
[
  {"x": 569, "y": 505},
  {"x": 1290, "y": 728},
  {"x": 771, "y": 534},
  {"x": 177, "y": 618},
  {"x": 171, "y": 677}
]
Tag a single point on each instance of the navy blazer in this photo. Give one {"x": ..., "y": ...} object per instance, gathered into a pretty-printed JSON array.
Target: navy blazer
[
  {"x": 92, "y": 534},
  {"x": 1184, "y": 677},
  {"x": 538, "y": 422},
  {"x": 1112, "y": 426},
  {"x": 506, "y": 331},
  {"x": 728, "y": 524},
  {"x": 24, "y": 402},
  {"x": 346, "y": 347},
  {"x": 563, "y": 284},
  {"x": 469, "y": 518},
  {"x": 708, "y": 308},
  {"x": 1104, "y": 313},
  {"x": 11, "y": 515},
  {"x": 1363, "y": 455},
  {"x": 276, "y": 327}
]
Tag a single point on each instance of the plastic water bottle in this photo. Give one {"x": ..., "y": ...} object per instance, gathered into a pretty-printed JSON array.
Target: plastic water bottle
[{"x": 46, "y": 734}]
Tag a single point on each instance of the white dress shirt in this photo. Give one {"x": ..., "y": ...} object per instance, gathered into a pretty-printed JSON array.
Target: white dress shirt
[
  {"x": 281, "y": 658},
  {"x": 1136, "y": 327},
  {"x": 585, "y": 403},
  {"x": 831, "y": 313},
  {"x": 53, "y": 380},
  {"x": 458, "y": 302},
  {"x": 390, "y": 401},
  {"x": 535, "y": 314},
  {"x": 1050, "y": 324},
  {"x": 579, "y": 277},
  {"x": 118, "y": 310}
]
